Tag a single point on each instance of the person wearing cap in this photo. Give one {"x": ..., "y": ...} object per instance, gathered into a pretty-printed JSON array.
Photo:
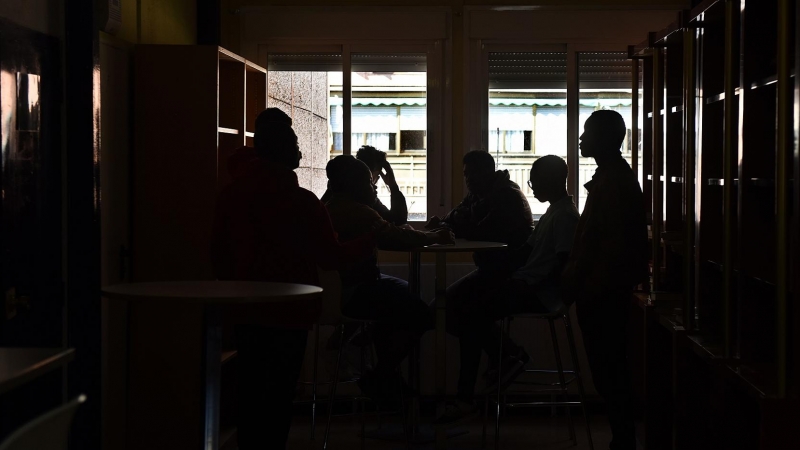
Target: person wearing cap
[
  {"x": 402, "y": 317},
  {"x": 268, "y": 228}
]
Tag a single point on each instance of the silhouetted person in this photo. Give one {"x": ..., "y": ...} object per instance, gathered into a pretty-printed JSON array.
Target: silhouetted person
[
  {"x": 379, "y": 169},
  {"x": 367, "y": 293},
  {"x": 609, "y": 258},
  {"x": 267, "y": 228},
  {"x": 494, "y": 209},
  {"x": 474, "y": 304}
]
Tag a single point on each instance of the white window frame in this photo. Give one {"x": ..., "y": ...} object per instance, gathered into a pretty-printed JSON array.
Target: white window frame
[
  {"x": 478, "y": 135},
  {"x": 438, "y": 117}
]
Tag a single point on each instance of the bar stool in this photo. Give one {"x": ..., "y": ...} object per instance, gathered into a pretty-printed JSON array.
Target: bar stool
[
  {"x": 559, "y": 388},
  {"x": 331, "y": 315}
]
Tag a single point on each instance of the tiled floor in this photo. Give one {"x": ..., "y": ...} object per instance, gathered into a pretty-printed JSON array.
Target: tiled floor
[{"x": 517, "y": 432}]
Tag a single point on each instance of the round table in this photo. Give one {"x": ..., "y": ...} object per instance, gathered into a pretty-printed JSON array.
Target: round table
[
  {"x": 441, "y": 251},
  {"x": 163, "y": 355}
]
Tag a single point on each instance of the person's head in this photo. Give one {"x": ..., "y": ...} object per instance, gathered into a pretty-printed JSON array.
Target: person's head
[
  {"x": 548, "y": 178},
  {"x": 351, "y": 177},
  {"x": 603, "y": 134},
  {"x": 478, "y": 171},
  {"x": 275, "y": 140},
  {"x": 373, "y": 158}
]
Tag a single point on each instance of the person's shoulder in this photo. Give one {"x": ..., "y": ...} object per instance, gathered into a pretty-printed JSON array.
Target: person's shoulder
[{"x": 304, "y": 198}]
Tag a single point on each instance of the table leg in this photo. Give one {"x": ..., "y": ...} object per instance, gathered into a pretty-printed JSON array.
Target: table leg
[
  {"x": 441, "y": 344},
  {"x": 213, "y": 366},
  {"x": 413, "y": 360}
]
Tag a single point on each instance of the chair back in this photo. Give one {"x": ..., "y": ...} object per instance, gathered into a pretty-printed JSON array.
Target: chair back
[
  {"x": 331, "y": 285},
  {"x": 50, "y": 431}
]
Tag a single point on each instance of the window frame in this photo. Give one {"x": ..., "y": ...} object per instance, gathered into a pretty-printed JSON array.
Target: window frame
[
  {"x": 438, "y": 151},
  {"x": 478, "y": 137}
]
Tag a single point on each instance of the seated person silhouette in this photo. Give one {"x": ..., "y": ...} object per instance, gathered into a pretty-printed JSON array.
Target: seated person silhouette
[
  {"x": 473, "y": 305},
  {"x": 367, "y": 294},
  {"x": 382, "y": 170},
  {"x": 268, "y": 228}
]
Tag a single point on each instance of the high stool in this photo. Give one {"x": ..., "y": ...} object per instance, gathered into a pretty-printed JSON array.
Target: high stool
[
  {"x": 335, "y": 382},
  {"x": 560, "y": 387},
  {"x": 331, "y": 315}
]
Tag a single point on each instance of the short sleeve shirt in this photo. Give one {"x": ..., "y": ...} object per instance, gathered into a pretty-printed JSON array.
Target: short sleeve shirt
[{"x": 553, "y": 234}]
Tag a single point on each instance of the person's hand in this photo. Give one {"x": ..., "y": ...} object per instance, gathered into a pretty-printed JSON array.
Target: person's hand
[
  {"x": 387, "y": 175},
  {"x": 445, "y": 236},
  {"x": 433, "y": 222}
]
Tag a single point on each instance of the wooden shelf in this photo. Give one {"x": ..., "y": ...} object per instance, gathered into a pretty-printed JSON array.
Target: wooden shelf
[
  {"x": 721, "y": 181},
  {"x": 228, "y": 356},
  {"x": 224, "y": 130},
  {"x": 227, "y": 438},
  {"x": 228, "y": 55},
  {"x": 250, "y": 66},
  {"x": 706, "y": 347}
]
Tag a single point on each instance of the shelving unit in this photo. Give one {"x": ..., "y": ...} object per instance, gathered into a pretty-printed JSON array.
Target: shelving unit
[
  {"x": 200, "y": 107},
  {"x": 724, "y": 226}
]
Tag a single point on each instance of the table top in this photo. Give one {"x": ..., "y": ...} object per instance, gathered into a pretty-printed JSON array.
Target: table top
[
  {"x": 462, "y": 245},
  {"x": 213, "y": 291},
  {"x": 20, "y": 365}
]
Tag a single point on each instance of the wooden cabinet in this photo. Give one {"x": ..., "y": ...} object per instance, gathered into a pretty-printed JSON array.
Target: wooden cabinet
[
  {"x": 722, "y": 166},
  {"x": 194, "y": 106}
]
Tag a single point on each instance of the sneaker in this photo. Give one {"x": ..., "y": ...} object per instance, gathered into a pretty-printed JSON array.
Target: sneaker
[
  {"x": 513, "y": 366},
  {"x": 490, "y": 376},
  {"x": 456, "y": 413}
]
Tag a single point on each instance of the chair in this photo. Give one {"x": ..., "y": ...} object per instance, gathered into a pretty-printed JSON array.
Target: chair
[
  {"x": 554, "y": 388},
  {"x": 50, "y": 431},
  {"x": 331, "y": 315}
]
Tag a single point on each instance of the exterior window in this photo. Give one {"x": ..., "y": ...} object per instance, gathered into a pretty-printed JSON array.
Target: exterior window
[
  {"x": 300, "y": 85},
  {"x": 527, "y": 113},
  {"x": 389, "y": 112},
  {"x": 605, "y": 83}
]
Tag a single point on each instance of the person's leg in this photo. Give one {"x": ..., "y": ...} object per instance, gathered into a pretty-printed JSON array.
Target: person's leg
[
  {"x": 402, "y": 318},
  {"x": 603, "y": 321},
  {"x": 467, "y": 299},
  {"x": 268, "y": 365},
  {"x": 513, "y": 297}
]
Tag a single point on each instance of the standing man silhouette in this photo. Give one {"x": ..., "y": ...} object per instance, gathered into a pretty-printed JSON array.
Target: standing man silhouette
[{"x": 609, "y": 258}]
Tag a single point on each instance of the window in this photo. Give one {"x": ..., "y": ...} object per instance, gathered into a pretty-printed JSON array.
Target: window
[
  {"x": 300, "y": 85},
  {"x": 605, "y": 83},
  {"x": 527, "y": 113}
]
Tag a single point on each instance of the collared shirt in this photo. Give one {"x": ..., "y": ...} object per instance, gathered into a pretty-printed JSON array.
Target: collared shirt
[{"x": 553, "y": 234}]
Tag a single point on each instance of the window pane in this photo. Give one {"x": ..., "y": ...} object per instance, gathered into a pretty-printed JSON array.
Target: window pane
[
  {"x": 300, "y": 85},
  {"x": 527, "y": 113},
  {"x": 389, "y": 112},
  {"x": 605, "y": 83}
]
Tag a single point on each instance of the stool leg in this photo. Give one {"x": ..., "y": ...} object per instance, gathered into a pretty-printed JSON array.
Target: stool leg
[
  {"x": 314, "y": 383},
  {"x": 485, "y": 420},
  {"x": 363, "y": 405},
  {"x": 333, "y": 390},
  {"x": 406, "y": 428},
  {"x": 578, "y": 378},
  {"x": 562, "y": 379},
  {"x": 503, "y": 325}
]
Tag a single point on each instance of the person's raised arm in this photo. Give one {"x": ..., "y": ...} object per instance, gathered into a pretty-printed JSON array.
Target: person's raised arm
[{"x": 398, "y": 215}]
